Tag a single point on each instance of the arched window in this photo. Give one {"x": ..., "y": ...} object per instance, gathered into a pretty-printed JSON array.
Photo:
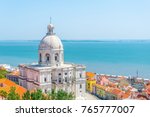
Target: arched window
[
  {"x": 56, "y": 57},
  {"x": 45, "y": 79},
  {"x": 40, "y": 57},
  {"x": 65, "y": 79},
  {"x": 47, "y": 57},
  {"x": 59, "y": 80}
]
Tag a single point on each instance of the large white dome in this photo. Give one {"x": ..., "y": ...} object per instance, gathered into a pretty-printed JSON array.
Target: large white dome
[{"x": 50, "y": 41}]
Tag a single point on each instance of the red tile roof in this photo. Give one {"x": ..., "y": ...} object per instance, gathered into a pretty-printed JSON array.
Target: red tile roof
[
  {"x": 90, "y": 74},
  {"x": 7, "y": 84}
]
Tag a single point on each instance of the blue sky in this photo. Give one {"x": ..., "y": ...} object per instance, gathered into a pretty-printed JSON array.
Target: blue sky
[{"x": 75, "y": 19}]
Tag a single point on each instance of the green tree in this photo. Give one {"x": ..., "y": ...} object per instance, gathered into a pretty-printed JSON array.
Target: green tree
[
  {"x": 70, "y": 96},
  {"x": 53, "y": 94},
  {"x": 12, "y": 95},
  {"x": 60, "y": 95},
  {"x": 3, "y": 73},
  {"x": 26, "y": 96},
  {"x": 63, "y": 95},
  {"x": 38, "y": 95},
  {"x": 3, "y": 94},
  {"x": 102, "y": 93}
]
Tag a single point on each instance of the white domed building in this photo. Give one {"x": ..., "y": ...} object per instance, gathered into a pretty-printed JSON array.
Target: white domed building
[{"x": 51, "y": 71}]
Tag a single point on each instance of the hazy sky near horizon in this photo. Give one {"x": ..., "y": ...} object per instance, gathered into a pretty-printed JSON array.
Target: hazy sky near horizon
[{"x": 75, "y": 19}]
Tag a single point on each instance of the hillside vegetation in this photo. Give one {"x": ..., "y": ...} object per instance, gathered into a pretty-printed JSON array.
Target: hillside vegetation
[{"x": 3, "y": 73}]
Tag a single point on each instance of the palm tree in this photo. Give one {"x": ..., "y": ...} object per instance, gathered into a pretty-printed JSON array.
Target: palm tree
[{"x": 3, "y": 94}]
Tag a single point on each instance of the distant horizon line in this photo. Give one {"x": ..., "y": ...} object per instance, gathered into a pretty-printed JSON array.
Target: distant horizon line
[{"x": 80, "y": 40}]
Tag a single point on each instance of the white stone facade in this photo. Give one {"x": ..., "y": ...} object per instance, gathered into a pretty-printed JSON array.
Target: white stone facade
[{"x": 51, "y": 70}]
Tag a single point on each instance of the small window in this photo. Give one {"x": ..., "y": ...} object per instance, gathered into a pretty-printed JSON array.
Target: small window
[
  {"x": 56, "y": 57},
  {"x": 45, "y": 79},
  {"x": 40, "y": 57},
  {"x": 80, "y": 86},
  {"x": 47, "y": 57},
  {"x": 59, "y": 74},
  {"x": 65, "y": 79},
  {"x": 59, "y": 80},
  {"x": 65, "y": 73},
  {"x": 80, "y": 75}
]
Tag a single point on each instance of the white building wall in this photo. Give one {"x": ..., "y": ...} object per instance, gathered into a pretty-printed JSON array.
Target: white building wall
[
  {"x": 45, "y": 77},
  {"x": 73, "y": 75},
  {"x": 80, "y": 82}
]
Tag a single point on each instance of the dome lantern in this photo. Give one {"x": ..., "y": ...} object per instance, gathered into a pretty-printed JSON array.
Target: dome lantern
[{"x": 50, "y": 29}]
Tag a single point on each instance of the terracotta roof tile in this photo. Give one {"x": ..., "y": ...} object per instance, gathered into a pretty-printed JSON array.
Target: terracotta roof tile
[
  {"x": 7, "y": 84},
  {"x": 116, "y": 91},
  {"x": 90, "y": 74}
]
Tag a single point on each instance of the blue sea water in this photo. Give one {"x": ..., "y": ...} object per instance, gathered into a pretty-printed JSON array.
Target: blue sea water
[{"x": 105, "y": 57}]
